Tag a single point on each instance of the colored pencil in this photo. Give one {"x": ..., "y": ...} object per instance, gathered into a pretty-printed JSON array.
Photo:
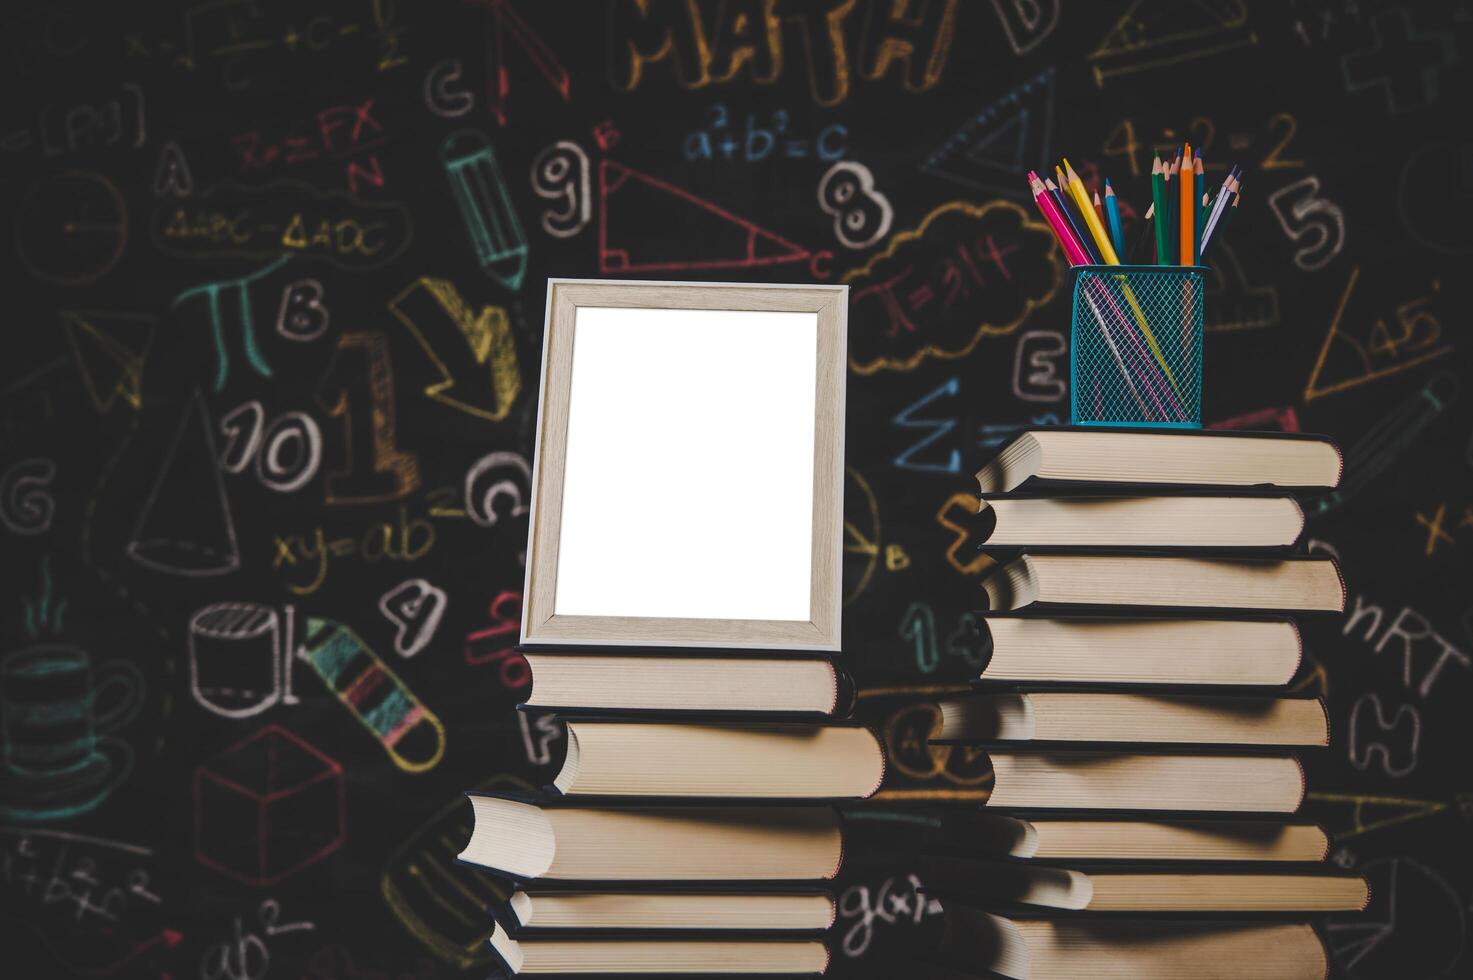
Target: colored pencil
[
  {"x": 1100, "y": 213},
  {"x": 1046, "y": 204},
  {"x": 1215, "y": 215},
  {"x": 1146, "y": 230},
  {"x": 1107, "y": 251},
  {"x": 1224, "y": 195},
  {"x": 1168, "y": 171},
  {"x": 1112, "y": 211},
  {"x": 1199, "y": 195},
  {"x": 1047, "y": 201},
  {"x": 1214, "y": 231},
  {"x": 1066, "y": 208},
  {"x": 1158, "y": 191},
  {"x": 1114, "y": 350},
  {"x": 1187, "y": 214},
  {"x": 1091, "y": 220}
]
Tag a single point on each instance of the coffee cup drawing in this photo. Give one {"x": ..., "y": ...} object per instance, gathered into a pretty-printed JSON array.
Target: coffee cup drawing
[{"x": 57, "y": 756}]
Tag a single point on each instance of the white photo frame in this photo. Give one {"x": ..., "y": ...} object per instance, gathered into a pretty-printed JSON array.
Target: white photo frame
[{"x": 687, "y": 485}]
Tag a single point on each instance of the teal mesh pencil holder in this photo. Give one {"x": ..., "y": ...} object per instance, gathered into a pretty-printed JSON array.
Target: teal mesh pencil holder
[{"x": 1136, "y": 355}]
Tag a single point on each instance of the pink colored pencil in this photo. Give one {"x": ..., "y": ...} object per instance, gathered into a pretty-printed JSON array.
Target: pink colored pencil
[{"x": 1073, "y": 250}]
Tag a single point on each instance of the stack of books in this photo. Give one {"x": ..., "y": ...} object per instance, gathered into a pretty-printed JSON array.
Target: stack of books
[
  {"x": 1140, "y": 622},
  {"x": 692, "y": 828}
]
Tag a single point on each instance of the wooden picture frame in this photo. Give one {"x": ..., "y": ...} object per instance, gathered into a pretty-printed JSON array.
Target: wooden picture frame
[{"x": 542, "y": 623}]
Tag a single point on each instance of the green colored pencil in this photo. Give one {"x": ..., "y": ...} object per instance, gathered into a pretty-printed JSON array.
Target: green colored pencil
[{"x": 1158, "y": 191}]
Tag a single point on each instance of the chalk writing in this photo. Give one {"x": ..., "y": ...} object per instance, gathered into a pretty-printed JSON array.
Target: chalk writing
[
  {"x": 1415, "y": 635},
  {"x": 895, "y": 901},
  {"x": 935, "y": 429},
  {"x": 561, "y": 173},
  {"x": 742, "y": 43},
  {"x": 962, "y": 553},
  {"x": 404, "y": 539},
  {"x": 247, "y": 955},
  {"x": 374, "y": 468},
  {"x": 1027, "y": 23},
  {"x": 1275, "y": 135},
  {"x": 302, "y": 316},
  {"x": 347, "y": 133},
  {"x": 538, "y": 734},
  {"x": 1036, "y": 375},
  {"x": 1314, "y": 223},
  {"x": 498, "y": 486},
  {"x": 1374, "y": 352},
  {"x": 286, "y": 453},
  {"x": 415, "y": 607},
  {"x": 496, "y": 644},
  {"x": 439, "y": 97},
  {"x": 964, "y": 273},
  {"x": 282, "y": 217},
  {"x": 861, "y": 214},
  {"x": 172, "y": 177},
  {"x": 26, "y": 503},
  {"x": 754, "y": 143},
  {"x": 1392, "y": 742},
  {"x": 60, "y": 130}
]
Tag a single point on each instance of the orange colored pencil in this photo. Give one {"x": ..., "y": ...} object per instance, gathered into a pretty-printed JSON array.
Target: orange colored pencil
[{"x": 1187, "y": 216}]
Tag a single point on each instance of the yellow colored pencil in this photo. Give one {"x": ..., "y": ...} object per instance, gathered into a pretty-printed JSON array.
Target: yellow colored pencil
[{"x": 1092, "y": 220}]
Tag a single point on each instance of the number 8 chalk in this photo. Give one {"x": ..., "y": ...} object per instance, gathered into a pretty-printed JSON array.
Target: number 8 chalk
[{"x": 408, "y": 731}]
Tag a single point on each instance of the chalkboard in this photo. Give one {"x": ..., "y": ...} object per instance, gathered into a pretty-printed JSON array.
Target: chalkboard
[{"x": 275, "y": 277}]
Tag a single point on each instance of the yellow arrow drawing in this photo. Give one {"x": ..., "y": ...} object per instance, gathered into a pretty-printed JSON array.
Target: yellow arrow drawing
[{"x": 488, "y": 333}]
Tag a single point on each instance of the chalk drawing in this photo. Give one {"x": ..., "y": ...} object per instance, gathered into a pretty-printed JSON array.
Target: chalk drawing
[
  {"x": 185, "y": 527},
  {"x": 485, "y": 206},
  {"x": 57, "y": 760},
  {"x": 439, "y": 901},
  {"x": 110, "y": 350},
  {"x": 236, "y": 658},
  {"x": 411, "y": 734},
  {"x": 267, "y": 806},
  {"x": 440, "y": 321}
]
